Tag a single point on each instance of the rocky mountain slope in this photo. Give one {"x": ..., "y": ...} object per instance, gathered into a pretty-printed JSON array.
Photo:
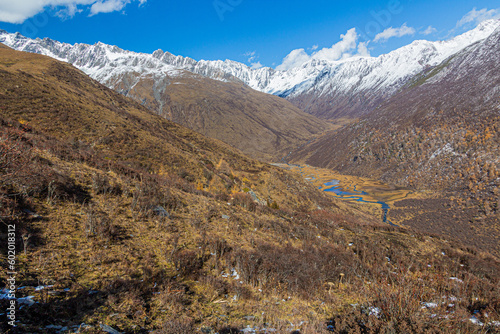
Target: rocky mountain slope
[
  {"x": 355, "y": 87},
  {"x": 440, "y": 132},
  {"x": 347, "y": 88},
  {"x": 128, "y": 222},
  {"x": 262, "y": 125},
  {"x": 59, "y": 101}
]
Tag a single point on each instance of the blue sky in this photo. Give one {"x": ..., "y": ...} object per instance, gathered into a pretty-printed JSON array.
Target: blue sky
[{"x": 258, "y": 32}]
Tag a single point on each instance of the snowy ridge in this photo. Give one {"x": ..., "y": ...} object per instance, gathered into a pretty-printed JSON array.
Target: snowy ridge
[
  {"x": 317, "y": 79},
  {"x": 387, "y": 71}
]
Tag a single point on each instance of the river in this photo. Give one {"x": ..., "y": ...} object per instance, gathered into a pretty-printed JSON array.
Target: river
[{"x": 353, "y": 189}]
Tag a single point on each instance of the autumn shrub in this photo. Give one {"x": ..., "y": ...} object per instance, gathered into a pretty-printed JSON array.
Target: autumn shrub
[
  {"x": 325, "y": 217},
  {"x": 188, "y": 262},
  {"x": 185, "y": 175},
  {"x": 399, "y": 301},
  {"x": 244, "y": 200},
  {"x": 223, "y": 197},
  {"x": 15, "y": 161},
  {"x": 224, "y": 168},
  {"x": 182, "y": 325},
  {"x": 102, "y": 185},
  {"x": 217, "y": 246},
  {"x": 229, "y": 330},
  {"x": 98, "y": 223},
  {"x": 261, "y": 210},
  {"x": 274, "y": 205},
  {"x": 216, "y": 285},
  {"x": 152, "y": 193},
  {"x": 297, "y": 270},
  {"x": 15, "y": 156}
]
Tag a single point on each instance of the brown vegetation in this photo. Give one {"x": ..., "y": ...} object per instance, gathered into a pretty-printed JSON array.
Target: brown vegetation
[
  {"x": 441, "y": 134},
  {"x": 136, "y": 224},
  {"x": 261, "y": 125}
]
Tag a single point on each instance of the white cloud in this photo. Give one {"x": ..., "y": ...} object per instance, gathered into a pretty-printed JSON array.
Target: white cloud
[
  {"x": 394, "y": 32},
  {"x": 295, "y": 58},
  {"x": 315, "y": 47},
  {"x": 363, "y": 49},
  {"x": 108, "y": 6},
  {"x": 252, "y": 57},
  {"x": 21, "y": 10},
  {"x": 341, "y": 49},
  {"x": 429, "y": 30},
  {"x": 477, "y": 16},
  {"x": 256, "y": 65},
  {"x": 347, "y": 47}
]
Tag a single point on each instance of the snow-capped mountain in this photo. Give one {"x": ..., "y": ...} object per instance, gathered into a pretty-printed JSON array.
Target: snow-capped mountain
[
  {"x": 263, "y": 126},
  {"x": 328, "y": 89},
  {"x": 435, "y": 132}
]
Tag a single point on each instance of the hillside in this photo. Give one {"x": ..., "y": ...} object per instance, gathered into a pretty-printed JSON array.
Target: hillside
[
  {"x": 350, "y": 87},
  {"x": 356, "y": 87},
  {"x": 125, "y": 220},
  {"x": 439, "y": 133},
  {"x": 261, "y": 125},
  {"x": 64, "y": 103}
]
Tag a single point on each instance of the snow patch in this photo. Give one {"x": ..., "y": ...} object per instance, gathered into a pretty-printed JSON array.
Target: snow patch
[{"x": 446, "y": 149}]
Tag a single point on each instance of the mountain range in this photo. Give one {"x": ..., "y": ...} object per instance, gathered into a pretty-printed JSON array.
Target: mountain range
[
  {"x": 128, "y": 222},
  {"x": 327, "y": 89},
  {"x": 261, "y": 125},
  {"x": 440, "y": 132}
]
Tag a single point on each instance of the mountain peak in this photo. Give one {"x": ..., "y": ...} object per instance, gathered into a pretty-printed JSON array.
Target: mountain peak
[
  {"x": 158, "y": 53},
  {"x": 489, "y": 24},
  {"x": 323, "y": 88}
]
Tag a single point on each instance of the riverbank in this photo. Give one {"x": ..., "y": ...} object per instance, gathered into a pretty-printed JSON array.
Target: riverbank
[{"x": 368, "y": 195}]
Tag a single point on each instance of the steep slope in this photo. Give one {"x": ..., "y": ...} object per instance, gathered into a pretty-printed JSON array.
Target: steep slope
[
  {"x": 259, "y": 124},
  {"x": 346, "y": 88},
  {"x": 58, "y": 100},
  {"x": 126, "y": 220},
  {"x": 441, "y": 132},
  {"x": 355, "y": 87}
]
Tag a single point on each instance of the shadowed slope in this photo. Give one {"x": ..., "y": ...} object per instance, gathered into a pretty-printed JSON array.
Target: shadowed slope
[
  {"x": 126, "y": 220},
  {"x": 440, "y": 133}
]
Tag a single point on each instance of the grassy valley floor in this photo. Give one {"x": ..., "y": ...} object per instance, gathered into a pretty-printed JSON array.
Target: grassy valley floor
[
  {"x": 432, "y": 212},
  {"x": 127, "y": 221}
]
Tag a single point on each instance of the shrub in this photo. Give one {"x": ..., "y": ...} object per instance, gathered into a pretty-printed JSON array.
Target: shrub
[
  {"x": 97, "y": 223},
  {"x": 101, "y": 185},
  {"x": 187, "y": 262},
  {"x": 177, "y": 326},
  {"x": 150, "y": 194},
  {"x": 244, "y": 200},
  {"x": 274, "y": 205},
  {"x": 223, "y": 168}
]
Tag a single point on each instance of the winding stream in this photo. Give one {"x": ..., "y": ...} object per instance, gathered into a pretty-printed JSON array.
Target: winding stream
[
  {"x": 358, "y": 196},
  {"x": 351, "y": 188}
]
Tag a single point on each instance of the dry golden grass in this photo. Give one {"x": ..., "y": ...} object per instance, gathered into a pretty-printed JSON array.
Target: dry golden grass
[
  {"x": 263, "y": 126},
  {"x": 94, "y": 168}
]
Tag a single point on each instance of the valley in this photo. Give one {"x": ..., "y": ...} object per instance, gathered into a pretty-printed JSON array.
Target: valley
[
  {"x": 376, "y": 197},
  {"x": 431, "y": 212},
  {"x": 153, "y": 193}
]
